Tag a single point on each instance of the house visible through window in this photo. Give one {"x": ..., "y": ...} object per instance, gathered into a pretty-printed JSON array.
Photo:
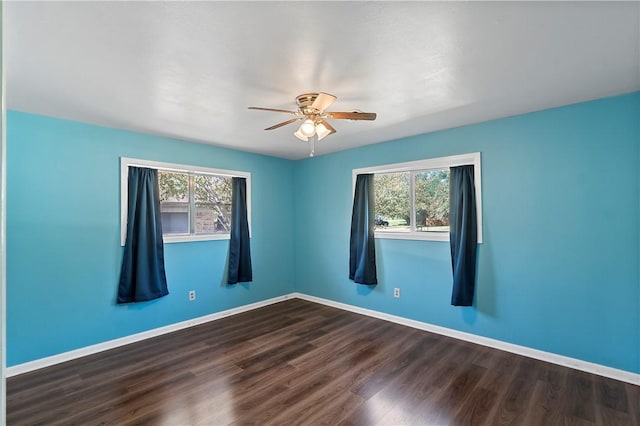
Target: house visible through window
[
  {"x": 412, "y": 199},
  {"x": 195, "y": 202}
]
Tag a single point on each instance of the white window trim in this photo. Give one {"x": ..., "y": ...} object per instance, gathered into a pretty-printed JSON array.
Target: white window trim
[
  {"x": 126, "y": 162},
  {"x": 430, "y": 164}
]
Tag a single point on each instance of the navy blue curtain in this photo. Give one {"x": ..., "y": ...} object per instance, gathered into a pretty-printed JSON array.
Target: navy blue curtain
[
  {"x": 464, "y": 234},
  {"x": 362, "y": 250},
  {"x": 142, "y": 275},
  {"x": 239, "y": 247}
]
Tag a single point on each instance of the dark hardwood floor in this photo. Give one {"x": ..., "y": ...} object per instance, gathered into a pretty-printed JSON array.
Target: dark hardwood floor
[{"x": 298, "y": 362}]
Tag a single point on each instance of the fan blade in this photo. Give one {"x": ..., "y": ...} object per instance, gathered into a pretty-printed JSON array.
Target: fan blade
[
  {"x": 328, "y": 126},
  {"x": 323, "y": 101},
  {"x": 275, "y": 110},
  {"x": 352, "y": 115},
  {"x": 284, "y": 123}
]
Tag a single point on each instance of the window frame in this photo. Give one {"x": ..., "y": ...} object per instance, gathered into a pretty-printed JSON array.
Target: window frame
[
  {"x": 427, "y": 164},
  {"x": 126, "y": 162}
]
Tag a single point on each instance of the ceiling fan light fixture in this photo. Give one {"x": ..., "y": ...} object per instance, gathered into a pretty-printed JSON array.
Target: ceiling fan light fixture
[
  {"x": 307, "y": 128},
  {"x": 322, "y": 131},
  {"x": 298, "y": 134}
]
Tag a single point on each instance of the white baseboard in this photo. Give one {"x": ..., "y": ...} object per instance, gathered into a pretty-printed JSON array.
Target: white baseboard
[
  {"x": 111, "y": 344},
  {"x": 577, "y": 364},
  {"x": 589, "y": 367}
]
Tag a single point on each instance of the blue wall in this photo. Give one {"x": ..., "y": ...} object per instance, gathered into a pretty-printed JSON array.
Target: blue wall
[
  {"x": 558, "y": 270},
  {"x": 63, "y": 237}
]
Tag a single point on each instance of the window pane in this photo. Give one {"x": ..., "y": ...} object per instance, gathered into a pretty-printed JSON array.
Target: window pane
[
  {"x": 174, "y": 187},
  {"x": 393, "y": 209},
  {"x": 174, "y": 202},
  {"x": 432, "y": 201},
  {"x": 175, "y": 218},
  {"x": 213, "y": 204}
]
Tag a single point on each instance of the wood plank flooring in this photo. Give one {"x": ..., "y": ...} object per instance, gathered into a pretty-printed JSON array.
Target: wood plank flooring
[{"x": 298, "y": 362}]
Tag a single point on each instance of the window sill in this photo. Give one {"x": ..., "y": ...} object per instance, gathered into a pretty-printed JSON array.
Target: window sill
[
  {"x": 423, "y": 236},
  {"x": 168, "y": 239}
]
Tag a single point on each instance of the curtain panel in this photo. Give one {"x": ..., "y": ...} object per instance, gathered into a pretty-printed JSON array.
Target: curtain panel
[
  {"x": 362, "y": 250},
  {"x": 142, "y": 275},
  {"x": 239, "y": 243},
  {"x": 463, "y": 234}
]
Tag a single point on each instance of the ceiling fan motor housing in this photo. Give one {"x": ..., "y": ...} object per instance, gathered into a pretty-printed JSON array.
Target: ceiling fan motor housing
[{"x": 305, "y": 101}]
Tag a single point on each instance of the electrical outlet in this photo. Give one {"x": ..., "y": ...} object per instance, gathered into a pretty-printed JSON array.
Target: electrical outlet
[
  {"x": 396, "y": 293},
  {"x": 192, "y": 295}
]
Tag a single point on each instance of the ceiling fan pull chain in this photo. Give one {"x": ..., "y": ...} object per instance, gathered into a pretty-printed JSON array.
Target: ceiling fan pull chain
[{"x": 313, "y": 144}]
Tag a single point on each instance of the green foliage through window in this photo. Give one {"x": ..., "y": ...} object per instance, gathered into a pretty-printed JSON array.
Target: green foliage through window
[
  {"x": 392, "y": 198},
  {"x": 432, "y": 200}
]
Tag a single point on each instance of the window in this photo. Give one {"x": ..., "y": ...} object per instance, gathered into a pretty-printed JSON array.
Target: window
[
  {"x": 412, "y": 199},
  {"x": 195, "y": 202}
]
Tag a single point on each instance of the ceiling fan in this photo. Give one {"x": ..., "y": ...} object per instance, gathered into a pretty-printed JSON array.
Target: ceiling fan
[{"x": 312, "y": 111}]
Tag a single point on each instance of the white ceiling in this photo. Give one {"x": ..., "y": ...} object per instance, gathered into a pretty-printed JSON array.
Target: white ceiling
[{"x": 189, "y": 70}]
